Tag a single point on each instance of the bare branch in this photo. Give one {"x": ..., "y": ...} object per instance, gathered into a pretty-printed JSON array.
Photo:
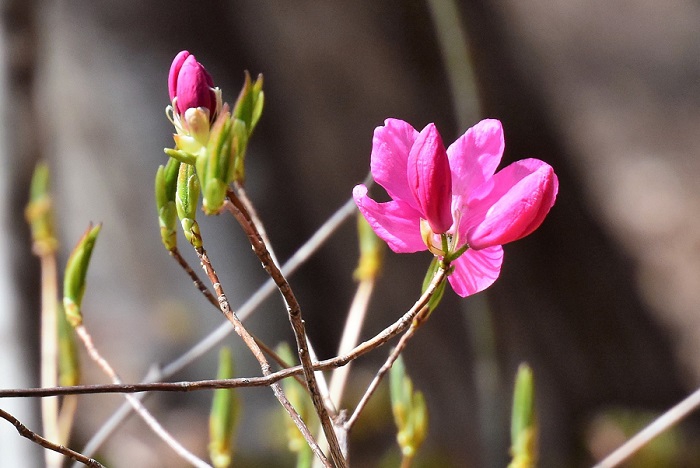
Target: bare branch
[
  {"x": 257, "y": 352},
  {"x": 37, "y": 439},
  {"x": 239, "y": 211}
]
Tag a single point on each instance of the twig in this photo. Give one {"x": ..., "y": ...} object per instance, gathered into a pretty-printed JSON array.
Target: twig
[
  {"x": 36, "y": 438},
  {"x": 257, "y": 352},
  {"x": 419, "y": 320},
  {"x": 378, "y": 340},
  {"x": 257, "y": 222},
  {"x": 175, "y": 253},
  {"x": 299, "y": 258},
  {"x": 136, "y": 403},
  {"x": 348, "y": 340},
  {"x": 393, "y": 356},
  {"x": 255, "y": 219},
  {"x": 238, "y": 210},
  {"x": 309, "y": 248},
  {"x": 201, "y": 287},
  {"x": 658, "y": 426},
  {"x": 49, "y": 351},
  {"x": 118, "y": 417}
]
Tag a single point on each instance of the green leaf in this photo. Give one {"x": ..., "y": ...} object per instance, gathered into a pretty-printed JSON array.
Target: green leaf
[
  {"x": 181, "y": 156},
  {"x": 68, "y": 361},
  {"x": 439, "y": 290},
  {"x": 75, "y": 274},
  {"x": 165, "y": 191}
]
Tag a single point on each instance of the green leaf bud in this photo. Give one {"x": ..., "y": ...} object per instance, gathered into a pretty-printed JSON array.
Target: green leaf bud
[
  {"x": 249, "y": 105},
  {"x": 165, "y": 190},
  {"x": 371, "y": 251},
  {"x": 224, "y": 415},
  {"x": 409, "y": 409},
  {"x": 186, "y": 200},
  {"x": 240, "y": 145},
  {"x": 215, "y": 165},
  {"x": 39, "y": 213},
  {"x": 75, "y": 273},
  {"x": 299, "y": 398},
  {"x": 523, "y": 429}
]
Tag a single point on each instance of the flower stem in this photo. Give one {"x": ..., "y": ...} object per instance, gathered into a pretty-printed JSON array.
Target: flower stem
[{"x": 421, "y": 315}]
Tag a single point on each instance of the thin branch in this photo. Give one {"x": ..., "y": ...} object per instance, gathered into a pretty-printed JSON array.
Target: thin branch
[
  {"x": 37, "y": 439},
  {"x": 393, "y": 356},
  {"x": 378, "y": 340},
  {"x": 255, "y": 220},
  {"x": 258, "y": 224},
  {"x": 299, "y": 258},
  {"x": 309, "y": 248},
  {"x": 416, "y": 323},
  {"x": 257, "y": 352},
  {"x": 136, "y": 403},
  {"x": 348, "y": 340},
  {"x": 239, "y": 211},
  {"x": 201, "y": 287},
  {"x": 658, "y": 426}
]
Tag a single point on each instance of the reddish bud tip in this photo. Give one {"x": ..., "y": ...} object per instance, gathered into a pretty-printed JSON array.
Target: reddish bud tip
[{"x": 191, "y": 84}]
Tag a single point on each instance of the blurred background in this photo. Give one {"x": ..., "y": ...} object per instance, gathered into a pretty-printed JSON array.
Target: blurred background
[{"x": 603, "y": 300}]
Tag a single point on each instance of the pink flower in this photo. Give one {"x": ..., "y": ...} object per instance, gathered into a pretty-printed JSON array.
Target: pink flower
[
  {"x": 456, "y": 193},
  {"x": 192, "y": 85}
]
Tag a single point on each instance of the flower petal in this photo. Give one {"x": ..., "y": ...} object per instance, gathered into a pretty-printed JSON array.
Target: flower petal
[
  {"x": 520, "y": 197},
  {"x": 397, "y": 223},
  {"x": 474, "y": 158},
  {"x": 476, "y": 270},
  {"x": 390, "y": 148},
  {"x": 194, "y": 87},
  {"x": 175, "y": 71},
  {"x": 430, "y": 180}
]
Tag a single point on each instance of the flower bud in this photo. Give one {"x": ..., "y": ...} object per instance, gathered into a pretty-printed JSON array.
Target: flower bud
[
  {"x": 186, "y": 199},
  {"x": 191, "y": 86},
  {"x": 430, "y": 179},
  {"x": 165, "y": 186}
]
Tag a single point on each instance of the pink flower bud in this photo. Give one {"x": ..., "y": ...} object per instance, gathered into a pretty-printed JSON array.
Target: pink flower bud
[
  {"x": 190, "y": 83},
  {"x": 430, "y": 179}
]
